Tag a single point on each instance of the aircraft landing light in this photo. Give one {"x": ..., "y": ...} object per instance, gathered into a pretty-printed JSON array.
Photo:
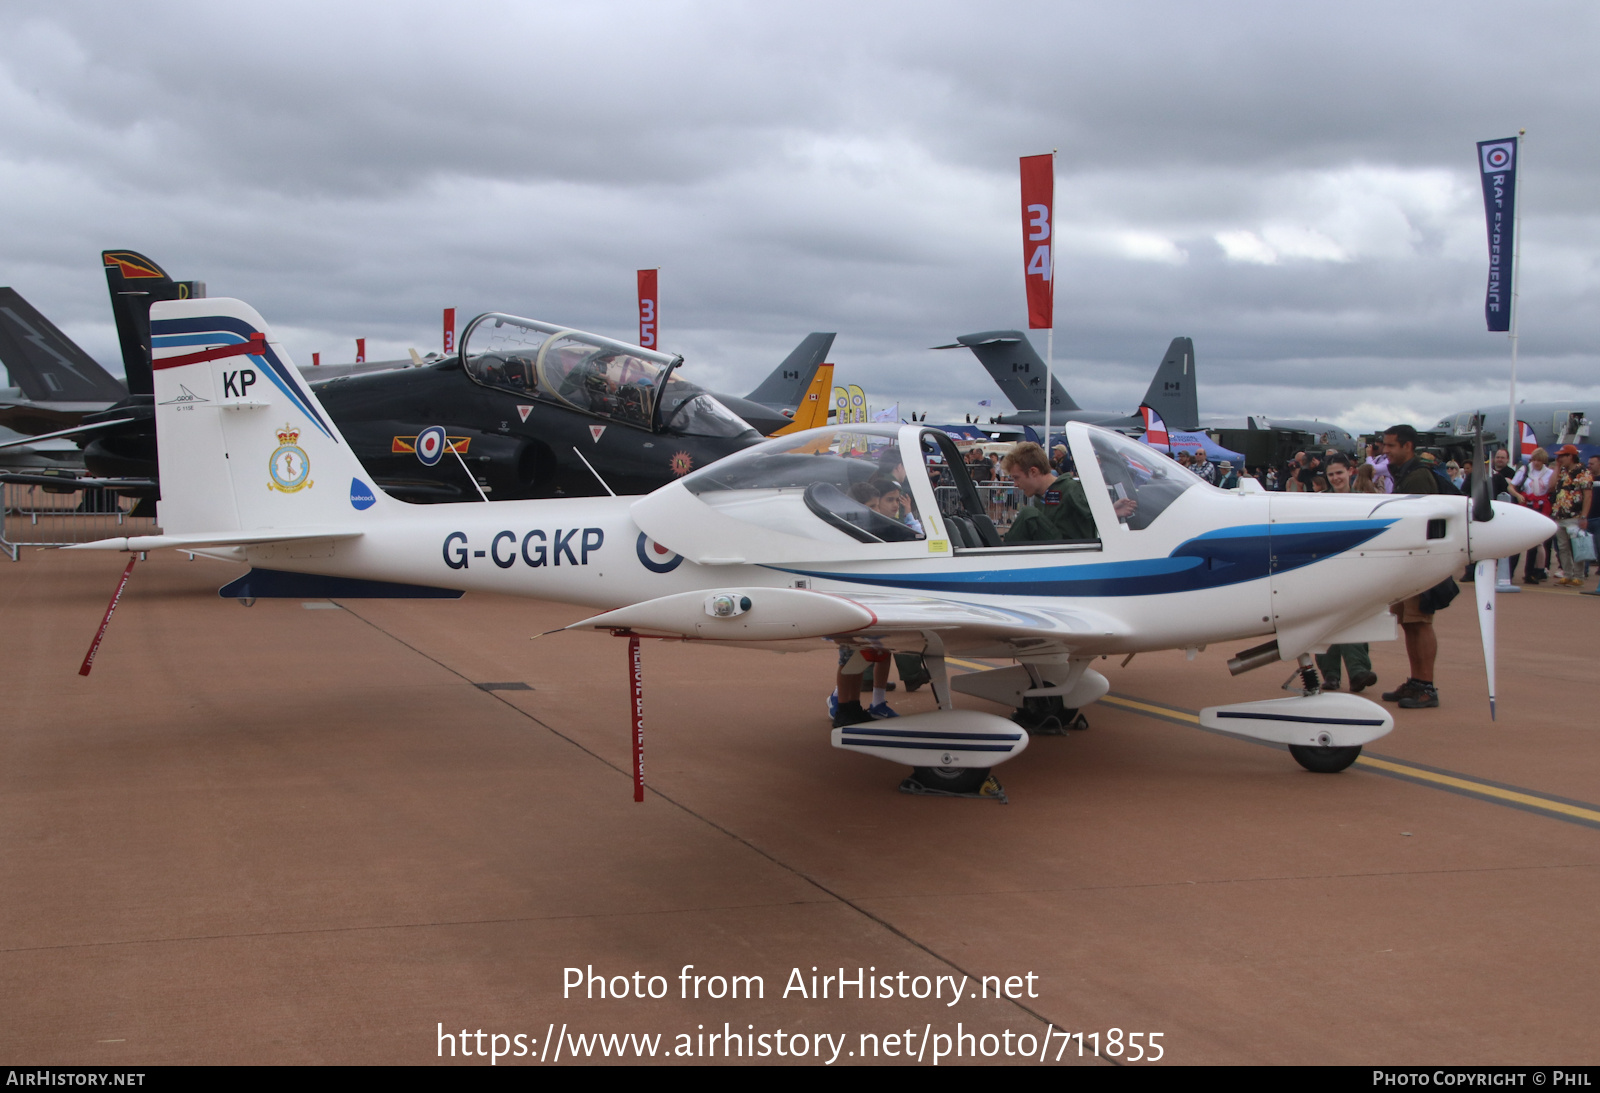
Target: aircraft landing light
[{"x": 1518, "y": 797}]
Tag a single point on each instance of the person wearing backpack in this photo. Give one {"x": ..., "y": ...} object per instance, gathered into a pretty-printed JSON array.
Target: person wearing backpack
[{"x": 1414, "y": 475}]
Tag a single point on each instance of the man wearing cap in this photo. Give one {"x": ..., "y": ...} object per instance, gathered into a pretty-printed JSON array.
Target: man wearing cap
[
  {"x": 1413, "y": 475},
  {"x": 1230, "y": 477},
  {"x": 1574, "y": 494}
]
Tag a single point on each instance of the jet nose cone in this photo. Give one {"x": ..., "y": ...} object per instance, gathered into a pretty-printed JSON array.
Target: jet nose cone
[{"x": 1513, "y": 529}]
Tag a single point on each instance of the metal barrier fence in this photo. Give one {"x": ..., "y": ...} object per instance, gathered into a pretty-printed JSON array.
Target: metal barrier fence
[
  {"x": 39, "y": 517},
  {"x": 999, "y": 502}
]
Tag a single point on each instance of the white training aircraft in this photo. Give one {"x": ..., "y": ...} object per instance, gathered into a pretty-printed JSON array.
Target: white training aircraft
[{"x": 767, "y": 548}]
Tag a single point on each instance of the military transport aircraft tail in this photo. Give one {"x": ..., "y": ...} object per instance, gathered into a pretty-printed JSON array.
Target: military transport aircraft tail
[
  {"x": 135, "y": 282},
  {"x": 812, "y": 413},
  {"x": 1011, "y": 359},
  {"x": 244, "y": 445},
  {"x": 1173, "y": 392},
  {"x": 790, "y": 381},
  {"x": 46, "y": 364}
]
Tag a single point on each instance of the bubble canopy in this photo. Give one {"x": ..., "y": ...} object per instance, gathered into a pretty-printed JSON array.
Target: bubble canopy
[
  {"x": 593, "y": 375},
  {"x": 816, "y": 495}
]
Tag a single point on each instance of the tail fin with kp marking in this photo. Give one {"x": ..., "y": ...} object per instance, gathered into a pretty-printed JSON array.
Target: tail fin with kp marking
[{"x": 244, "y": 444}]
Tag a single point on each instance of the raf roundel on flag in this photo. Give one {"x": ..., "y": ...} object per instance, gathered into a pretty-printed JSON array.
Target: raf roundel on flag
[{"x": 1497, "y": 160}]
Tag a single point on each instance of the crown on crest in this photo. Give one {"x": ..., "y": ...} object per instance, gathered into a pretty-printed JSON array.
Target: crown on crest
[{"x": 288, "y": 435}]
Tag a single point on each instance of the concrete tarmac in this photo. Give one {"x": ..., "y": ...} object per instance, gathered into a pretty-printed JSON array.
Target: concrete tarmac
[{"x": 309, "y": 833}]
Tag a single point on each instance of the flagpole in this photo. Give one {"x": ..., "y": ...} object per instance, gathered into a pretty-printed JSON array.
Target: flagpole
[
  {"x": 1514, "y": 446},
  {"x": 1050, "y": 335}
]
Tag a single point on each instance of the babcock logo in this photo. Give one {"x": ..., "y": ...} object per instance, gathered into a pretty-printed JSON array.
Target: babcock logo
[{"x": 361, "y": 495}]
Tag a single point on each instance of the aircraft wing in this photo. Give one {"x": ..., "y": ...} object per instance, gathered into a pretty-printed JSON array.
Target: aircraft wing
[
  {"x": 35, "y": 438},
  {"x": 67, "y": 482},
  {"x": 756, "y": 616}
]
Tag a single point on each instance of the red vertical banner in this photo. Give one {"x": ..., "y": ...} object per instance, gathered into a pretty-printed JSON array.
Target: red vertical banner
[
  {"x": 636, "y": 688},
  {"x": 449, "y": 331},
  {"x": 1038, "y": 225},
  {"x": 316, "y": 360},
  {"x": 361, "y": 350},
  {"x": 649, "y": 310}
]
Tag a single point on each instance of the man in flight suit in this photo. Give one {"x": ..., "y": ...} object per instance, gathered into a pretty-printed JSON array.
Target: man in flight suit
[{"x": 1059, "y": 509}]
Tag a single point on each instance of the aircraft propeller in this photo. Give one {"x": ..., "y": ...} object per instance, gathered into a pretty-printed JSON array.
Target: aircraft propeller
[{"x": 1484, "y": 576}]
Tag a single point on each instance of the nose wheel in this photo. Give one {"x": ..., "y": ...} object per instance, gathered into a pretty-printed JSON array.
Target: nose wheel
[
  {"x": 1324, "y": 760},
  {"x": 951, "y": 779}
]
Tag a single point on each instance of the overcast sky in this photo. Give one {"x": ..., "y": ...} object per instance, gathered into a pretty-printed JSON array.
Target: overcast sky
[{"x": 1294, "y": 189}]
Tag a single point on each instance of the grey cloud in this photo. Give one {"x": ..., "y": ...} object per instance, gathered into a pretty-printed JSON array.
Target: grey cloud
[{"x": 351, "y": 169}]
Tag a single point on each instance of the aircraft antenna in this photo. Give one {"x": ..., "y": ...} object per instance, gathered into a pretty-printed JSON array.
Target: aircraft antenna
[
  {"x": 470, "y": 476},
  {"x": 594, "y": 472}
]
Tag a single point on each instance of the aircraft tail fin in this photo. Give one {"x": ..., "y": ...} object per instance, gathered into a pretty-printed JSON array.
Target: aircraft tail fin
[
  {"x": 45, "y": 363},
  {"x": 791, "y": 380},
  {"x": 812, "y": 413},
  {"x": 243, "y": 442},
  {"x": 135, "y": 282},
  {"x": 1174, "y": 391},
  {"x": 1010, "y": 358}
]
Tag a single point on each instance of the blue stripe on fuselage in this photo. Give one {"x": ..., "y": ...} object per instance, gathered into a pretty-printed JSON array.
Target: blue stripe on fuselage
[{"x": 1213, "y": 560}]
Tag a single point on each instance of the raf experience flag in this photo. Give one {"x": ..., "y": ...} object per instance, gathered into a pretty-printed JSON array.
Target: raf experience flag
[
  {"x": 1038, "y": 216},
  {"x": 1497, "y": 160}
]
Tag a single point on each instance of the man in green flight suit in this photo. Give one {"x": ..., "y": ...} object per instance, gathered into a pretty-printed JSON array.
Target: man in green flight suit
[{"x": 1059, "y": 509}]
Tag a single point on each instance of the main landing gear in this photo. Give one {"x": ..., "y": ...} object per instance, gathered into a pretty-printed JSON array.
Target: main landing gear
[{"x": 1049, "y": 716}]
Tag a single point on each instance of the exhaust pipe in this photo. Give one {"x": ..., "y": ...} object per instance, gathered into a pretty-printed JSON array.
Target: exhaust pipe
[{"x": 1258, "y": 657}]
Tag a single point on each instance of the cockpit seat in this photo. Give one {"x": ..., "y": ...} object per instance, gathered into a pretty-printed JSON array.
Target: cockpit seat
[
  {"x": 988, "y": 534},
  {"x": 962, "y": 533},
  {"x": 853, "y": 518}
]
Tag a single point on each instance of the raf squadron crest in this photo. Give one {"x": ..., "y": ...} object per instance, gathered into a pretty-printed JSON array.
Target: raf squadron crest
[{"x": 289, "y": 466}]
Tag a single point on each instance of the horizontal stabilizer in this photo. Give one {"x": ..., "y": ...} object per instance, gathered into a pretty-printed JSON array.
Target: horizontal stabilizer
[
  {"x": 1319, "y": 720},
  {"x": 66, "y": 483},
  {"x": 944, "y": 738},
  {"x": 74, "y": 431},
  {"x": 197, "y": 540},
  {"x": 269, "y": 584}
]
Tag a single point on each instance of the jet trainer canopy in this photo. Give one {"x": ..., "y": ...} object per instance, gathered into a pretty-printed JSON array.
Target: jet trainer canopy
[{"x": 592, "y": 374}]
